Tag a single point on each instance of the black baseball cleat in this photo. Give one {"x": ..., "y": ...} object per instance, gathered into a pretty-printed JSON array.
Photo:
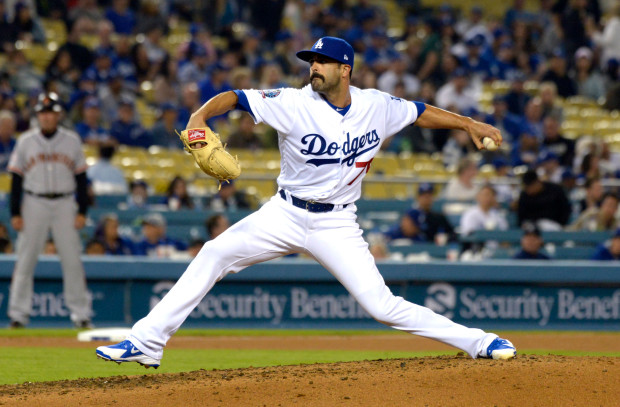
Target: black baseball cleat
[{"x": 16, "y": 325}]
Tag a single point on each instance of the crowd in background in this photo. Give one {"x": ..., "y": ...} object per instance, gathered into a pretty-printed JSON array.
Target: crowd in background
[{"x": 444, "y": 56}]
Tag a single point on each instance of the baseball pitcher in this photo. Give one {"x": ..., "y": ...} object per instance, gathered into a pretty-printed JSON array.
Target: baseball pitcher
[{"x": 329, "y": 132}]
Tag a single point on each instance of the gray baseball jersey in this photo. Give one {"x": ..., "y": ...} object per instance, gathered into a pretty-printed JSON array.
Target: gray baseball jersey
[{"x": 48, "y": 165}]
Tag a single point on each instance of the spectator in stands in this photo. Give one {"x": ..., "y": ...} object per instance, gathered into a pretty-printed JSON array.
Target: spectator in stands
[
  {"x": 194, "y": 247},
  {"x": 397, "y": 72},
  {"x": 101, "y": 71},
  {"x": 177, "y": 196},
  {"x": 81, "y": 56},
  {"x": 458, "y": 147},
  {"x": 106, "y": 178},
  {"x": 121, "y": 16},
  {"x": 6, "y": 247},
  {"x": 195, "y": 69},
  {"x": 434, "y": 225},
  {"x": 228, "y": 198},
  {"x": 88, "y": 9},
  {"x": 27, "y": 27},
  {"x": 213, "y": 85},
  {"x": 609, "y": 250},
  {"x": 8, "y": 125},
  {"x": 50, "y": 247},
  {"x": 166, "y": 87},
  {"x": 462, "y": 187},
  {"x": 163, "y": 131},
  {"x": 94, "y": 248},
  {"x": 90, "y": 129},
  {"x": 574, "y": 19},
  {"x": 7, "y": 35},
  {"x": 430, "y": 53},
  {"x": 549, "y": 167},
  {"x": 245, "y": 137},
  {"x": 557, "y": 73},
  {"x": 590, "y": 165},
  {"x": 155, "y": 242},
  {"x": 455, "y": 95},
  {"x": 531, "y": 244},
  {"x": 593, "y": 194},
  {"x": 126, "y": 130},
  {"x": 149, "y": 15},
  {"x": 63, "y": 72},
  {"x": 533, "y": 123},
  {"x": 190, "y": 102},
  {"x": 145, "y": 71},
  {"x": 107, "y": 234},
  {"x": 553, "y": 141},
  {"x": 407, "y": 229},
  {"x": 138, "y": 195},
  {"x": 505, "y": 192},
  {"x": 155, "y": 52},
  {"x": 607, "y": 41},
  {"x": 4, "y": 231},
  {"x": 548, "y": 98},
  {"x": 476, "y": 61},
  {"x": 24, "y": 77},
  {"x": 526, "y": 151},
  {"x": 601, "y": 218},
  {"x": 216, "y": 225},
  {"x": 516, "y": 98},
  {"x": 112, "y": 96},
  {"x": 122, "y": 61},
  {"x": 271, "y": 77},
  {"x": 485, "y": 215},
  {"x": 542, "y": 202},
  {"x": 589, "y": 81},
  {"x": 508, "y": 123}
]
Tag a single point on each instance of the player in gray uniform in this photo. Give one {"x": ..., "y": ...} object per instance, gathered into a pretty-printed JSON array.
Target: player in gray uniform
[{"x": 49, "y": 169}]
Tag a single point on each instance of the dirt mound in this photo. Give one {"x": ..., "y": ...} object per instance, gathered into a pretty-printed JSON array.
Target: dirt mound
[{"x": 430, "y": 381}]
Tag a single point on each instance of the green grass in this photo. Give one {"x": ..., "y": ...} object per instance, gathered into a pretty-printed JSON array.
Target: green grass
[
  {"x": 36, "y": 364},
  {"x": 48, "y": 364}
]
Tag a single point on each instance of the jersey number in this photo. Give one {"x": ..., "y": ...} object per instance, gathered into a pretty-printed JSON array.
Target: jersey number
[{"x": 362, "y": 165}]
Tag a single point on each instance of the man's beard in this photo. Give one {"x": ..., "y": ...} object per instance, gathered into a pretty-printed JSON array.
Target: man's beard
[{"x": 321, "y": 85}]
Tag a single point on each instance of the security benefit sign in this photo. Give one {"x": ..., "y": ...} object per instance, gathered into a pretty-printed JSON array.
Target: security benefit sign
[
  {"x": 524, "y": 306},
  {"x": 272, "y": 305}
]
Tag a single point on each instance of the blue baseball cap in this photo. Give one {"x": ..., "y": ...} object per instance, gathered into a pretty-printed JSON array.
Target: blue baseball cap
[
  {"x": 425, "y": 187},
  {"x": 331, "y": 47}
]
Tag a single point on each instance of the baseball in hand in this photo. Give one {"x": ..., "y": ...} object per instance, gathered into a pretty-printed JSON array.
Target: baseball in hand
[{"x": 489, "y": 144}]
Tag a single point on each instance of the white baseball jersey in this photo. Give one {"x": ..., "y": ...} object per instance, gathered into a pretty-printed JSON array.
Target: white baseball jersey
[
  {"x": 325, "y": 154},
  {"x": 49, "y": 165}
]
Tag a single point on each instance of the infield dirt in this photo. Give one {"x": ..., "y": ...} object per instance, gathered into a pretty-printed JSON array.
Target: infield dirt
[{"x": 529, "y": 380}]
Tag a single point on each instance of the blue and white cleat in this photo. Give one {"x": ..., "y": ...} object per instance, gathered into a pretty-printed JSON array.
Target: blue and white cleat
[
  {"x": 126, "y": 352},
  {"x": 501, "y": 349}
]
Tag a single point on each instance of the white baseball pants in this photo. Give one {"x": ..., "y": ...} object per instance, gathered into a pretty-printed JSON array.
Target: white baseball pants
[
  {"x": 334, "y": 239},
  {"x": 40, "y": 216}
]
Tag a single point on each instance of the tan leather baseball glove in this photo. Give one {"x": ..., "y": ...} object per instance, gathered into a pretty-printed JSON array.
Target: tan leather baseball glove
[{"x": 209, "y": 153}]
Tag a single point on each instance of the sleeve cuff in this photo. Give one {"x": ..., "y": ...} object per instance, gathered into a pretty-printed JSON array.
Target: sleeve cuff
[{"x": 243, "y": 103}]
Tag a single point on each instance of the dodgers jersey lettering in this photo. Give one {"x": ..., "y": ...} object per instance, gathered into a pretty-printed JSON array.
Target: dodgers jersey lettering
[
  {"x": 49, "y": 165},
  {"x": 325, "y": 155}
]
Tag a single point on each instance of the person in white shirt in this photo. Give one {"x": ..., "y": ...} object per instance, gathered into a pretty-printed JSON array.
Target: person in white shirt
[
  {"x": 456, "y": 95},
  {"x": 485, "y": 215},
  {"x": 462, "y": 187},
  {"x": 398, "y": 73}
]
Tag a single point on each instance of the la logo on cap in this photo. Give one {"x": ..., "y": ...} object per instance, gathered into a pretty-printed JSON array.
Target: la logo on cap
[{"x": 319, "y": 44}]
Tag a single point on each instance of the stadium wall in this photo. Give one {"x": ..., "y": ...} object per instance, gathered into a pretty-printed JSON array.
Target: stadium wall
[{"x": 296, "y": 293}]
